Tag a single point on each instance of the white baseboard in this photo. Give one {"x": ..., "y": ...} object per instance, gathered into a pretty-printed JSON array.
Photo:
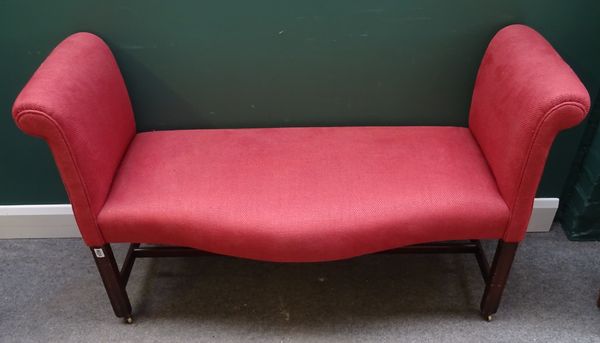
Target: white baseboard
[
  {"x": 37, "y": 221},
  {"x": 544, "y": 210},
  {"x": 57, "y": 221}
]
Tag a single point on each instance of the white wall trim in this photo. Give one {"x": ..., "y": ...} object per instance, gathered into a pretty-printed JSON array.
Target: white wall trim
[
  {"x": 57, "y": 221},
  {"x": 544, "y": 210},
  {"x": 37, "y": 221}
]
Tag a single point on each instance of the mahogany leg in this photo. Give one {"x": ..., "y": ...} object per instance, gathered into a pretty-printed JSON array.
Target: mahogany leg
[
  {"x": 113, "y": 283},
  {"x": 128, "y": 263},
  {"x": 503, "y": 259},
  {"x": 484, "y": 266}
]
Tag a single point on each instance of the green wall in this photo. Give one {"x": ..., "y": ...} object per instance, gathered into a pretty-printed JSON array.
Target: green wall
[{"x": 210, "y": 64}]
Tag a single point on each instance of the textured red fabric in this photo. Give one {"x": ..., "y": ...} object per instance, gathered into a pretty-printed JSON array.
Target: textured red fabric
[
  {"x": 524, "y": 95},
  {"x": 303, "y": 194},
  {"x": 77, "y": 102}
]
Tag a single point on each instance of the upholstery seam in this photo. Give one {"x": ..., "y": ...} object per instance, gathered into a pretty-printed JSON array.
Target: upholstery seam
[
  {"x": 45, "y": 115},
  {"x": 546, "y": 117},
  {"x": 491, "y": 172}
]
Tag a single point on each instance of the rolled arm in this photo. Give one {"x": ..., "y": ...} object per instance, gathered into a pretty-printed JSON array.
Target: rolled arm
[
  {"x": 77, "y": 102},
  {"x": 524, "y": 95}
]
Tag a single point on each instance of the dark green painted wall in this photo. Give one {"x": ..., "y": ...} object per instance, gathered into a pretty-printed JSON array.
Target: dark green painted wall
[{"x": 208, "y": 64}]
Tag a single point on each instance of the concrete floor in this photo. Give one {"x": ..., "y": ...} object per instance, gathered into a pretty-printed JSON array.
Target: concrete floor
[{"x": 50, "y": 291}]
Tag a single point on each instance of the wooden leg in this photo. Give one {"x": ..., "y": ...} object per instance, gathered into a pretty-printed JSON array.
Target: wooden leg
[
  {"x": 598, "y": 301},
  {"x": 115, "y": 281},
  {"x": 128, "y": 263},
  {"x": 484, "y": 267},
  {"x": 503, "y": 259},
  {"x": 115, "y": 288}
]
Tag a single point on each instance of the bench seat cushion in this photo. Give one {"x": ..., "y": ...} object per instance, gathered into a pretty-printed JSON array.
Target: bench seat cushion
[{"x": 303, "y": 194}]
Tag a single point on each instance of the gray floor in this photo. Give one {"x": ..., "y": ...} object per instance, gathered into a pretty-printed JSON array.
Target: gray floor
[{"x": 50, "y": 291}]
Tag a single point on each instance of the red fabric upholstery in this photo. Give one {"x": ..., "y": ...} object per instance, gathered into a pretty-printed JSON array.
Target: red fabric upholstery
[
  {"x": 77, "y": 102},
  {"x": 303, "y": 194},
  {"x": 524, "y": 95}
]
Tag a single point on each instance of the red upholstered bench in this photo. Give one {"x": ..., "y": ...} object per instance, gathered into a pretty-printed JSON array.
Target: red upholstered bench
[{"x": 303, "y": 194}]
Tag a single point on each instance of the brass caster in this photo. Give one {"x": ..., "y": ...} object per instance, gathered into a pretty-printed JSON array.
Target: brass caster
[
  {"x": 128, "y": 320},
  {"x": 488, "y": 318}
]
